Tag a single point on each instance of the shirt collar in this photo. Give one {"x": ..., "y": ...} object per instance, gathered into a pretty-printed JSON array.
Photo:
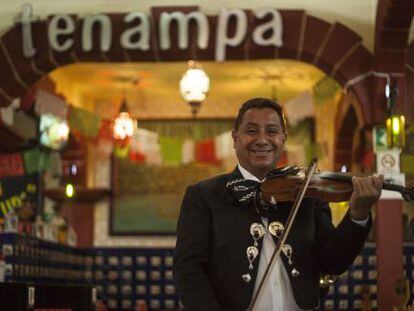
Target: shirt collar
[{"x": 246, "y": 174}]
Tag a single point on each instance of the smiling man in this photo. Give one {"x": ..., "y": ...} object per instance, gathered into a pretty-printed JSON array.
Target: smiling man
[
  {"x": 259, "y": 136},
  {"x": 225, "y": 236}
]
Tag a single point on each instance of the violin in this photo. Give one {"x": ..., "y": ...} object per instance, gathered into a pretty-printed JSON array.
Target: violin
[
  {"x": 293, "y": 184},
  {"x": 284, "y": 185}
]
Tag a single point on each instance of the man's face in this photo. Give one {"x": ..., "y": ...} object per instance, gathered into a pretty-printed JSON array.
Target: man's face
[{"x": 259, "y": 141}]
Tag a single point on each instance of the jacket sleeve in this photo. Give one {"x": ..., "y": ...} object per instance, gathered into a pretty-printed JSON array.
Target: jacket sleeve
[
  {"x": 338, "y": 246},
  {"x": 191, "y": 258}
]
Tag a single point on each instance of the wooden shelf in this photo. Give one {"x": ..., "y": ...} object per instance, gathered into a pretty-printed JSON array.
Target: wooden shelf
[{"x": 82, "y": 194}]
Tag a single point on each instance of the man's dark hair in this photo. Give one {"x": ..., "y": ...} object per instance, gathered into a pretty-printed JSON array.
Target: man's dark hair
[{"x": 260, "y": 103}]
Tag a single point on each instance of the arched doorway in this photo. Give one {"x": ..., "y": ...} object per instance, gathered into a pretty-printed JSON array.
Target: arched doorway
[{"x": 333, "y": 48}]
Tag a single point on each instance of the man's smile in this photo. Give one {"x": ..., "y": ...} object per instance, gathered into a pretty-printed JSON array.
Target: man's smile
[{"x": 261, "y": 152}]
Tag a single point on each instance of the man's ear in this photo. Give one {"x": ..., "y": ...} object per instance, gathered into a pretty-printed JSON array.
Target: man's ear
[{"x": 234, "y": 136}]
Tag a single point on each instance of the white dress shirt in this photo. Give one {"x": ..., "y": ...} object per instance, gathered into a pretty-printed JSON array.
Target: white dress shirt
[{"x": 277, "y": 294}]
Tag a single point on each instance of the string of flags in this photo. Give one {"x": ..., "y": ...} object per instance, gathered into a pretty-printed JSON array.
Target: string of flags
[
  {"x": 145, "y": 146},
  {"x": 150, "y": 148},
  {"x": 27, "y": 162}
]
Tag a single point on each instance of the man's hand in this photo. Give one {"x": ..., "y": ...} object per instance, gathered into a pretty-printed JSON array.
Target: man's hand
[{"x": 367, "y": 191}]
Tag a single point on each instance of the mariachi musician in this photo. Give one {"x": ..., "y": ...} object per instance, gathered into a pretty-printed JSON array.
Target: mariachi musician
[{"x": 225, "y": 240}]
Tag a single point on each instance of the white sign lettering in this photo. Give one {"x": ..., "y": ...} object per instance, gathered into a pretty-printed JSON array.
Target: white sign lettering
[
  {"x": 137, "y": 36},
  {"x": 274, "y": 25},
  {"x": 143, "y": 29},
  {"x": 223, "y": 22},
  {"x": 26, "y": 20},
  {"x": 55, "y": 31},
  {"x": 183, "y": 21},
  {"x": 106, "y": 32}
]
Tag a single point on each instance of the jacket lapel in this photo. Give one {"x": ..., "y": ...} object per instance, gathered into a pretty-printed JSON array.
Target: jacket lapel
[{"x": 245, "y": 219}]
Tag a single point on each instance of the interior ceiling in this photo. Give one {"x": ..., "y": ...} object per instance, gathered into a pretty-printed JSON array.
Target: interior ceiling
[{"x": 152, "y": 88}]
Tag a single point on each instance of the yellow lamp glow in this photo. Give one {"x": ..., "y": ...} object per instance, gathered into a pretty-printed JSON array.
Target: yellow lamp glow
[
  {"x": 63, "y": 131},
  {"x": 396, "y": 131},
  {"x": 124, "y": 124},
  {"x": 69, "y": 190}
]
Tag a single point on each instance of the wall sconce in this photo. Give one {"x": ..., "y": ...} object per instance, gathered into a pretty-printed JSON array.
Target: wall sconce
[
  {"x": 396, "y": 131},
  {"x": 123, "y": 124},
  {"x": 395, "y": 124},
  {"x": 194, "y": 86},
  {"x": 69, "y": 190}
]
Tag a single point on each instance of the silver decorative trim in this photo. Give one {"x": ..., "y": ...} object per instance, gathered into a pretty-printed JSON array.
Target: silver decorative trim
[
  {"x": 252, "y": 252},
  {"x": 276, "y": 228},
  {"x": 247, "y": 277}
]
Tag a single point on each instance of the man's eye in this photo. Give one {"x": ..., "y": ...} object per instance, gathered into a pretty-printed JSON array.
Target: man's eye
[
  {"x": 251, "y": 131},
  {"x": 273, "y": 131}
]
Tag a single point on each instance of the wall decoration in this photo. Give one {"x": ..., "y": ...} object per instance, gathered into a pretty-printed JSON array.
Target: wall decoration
[
  {"x": 146, "y": 199},
  {"x": 149, "y": 179}
]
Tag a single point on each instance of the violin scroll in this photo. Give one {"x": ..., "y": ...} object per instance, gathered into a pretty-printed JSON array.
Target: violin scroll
[{"x": 408, "y": 194}]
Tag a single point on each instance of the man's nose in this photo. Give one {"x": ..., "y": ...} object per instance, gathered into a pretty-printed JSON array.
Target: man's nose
[{"x": 262, "y": 138}]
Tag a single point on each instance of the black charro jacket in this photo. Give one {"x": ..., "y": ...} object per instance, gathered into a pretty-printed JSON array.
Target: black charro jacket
[{"x": 213, "y": 233}]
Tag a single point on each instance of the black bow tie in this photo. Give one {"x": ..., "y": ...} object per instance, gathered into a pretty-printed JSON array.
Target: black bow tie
[{"x": 247, "y": 194}]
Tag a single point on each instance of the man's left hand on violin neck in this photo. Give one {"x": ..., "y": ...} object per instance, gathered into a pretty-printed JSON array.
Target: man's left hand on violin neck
[{"x": 367, "y": 191}]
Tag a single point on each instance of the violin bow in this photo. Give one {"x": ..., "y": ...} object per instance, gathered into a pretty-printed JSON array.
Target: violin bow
[{"x": 282, "y": 239}]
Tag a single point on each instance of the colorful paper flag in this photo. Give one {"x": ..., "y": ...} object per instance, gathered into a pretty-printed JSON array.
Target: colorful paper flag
[
  {"x": 11, "y": 165},
  {"x": 324, "y": 89},
  {"x": 223, "y": 146},
  {"x": 36, "y": 161},
  {"x": 121, "y": 151},
  {"x": 85, "y": 122},
  {"x": 188, "y": 151},
  {"x": 205, "y": 152},
  {"x": 299, "y": 108},
  {"x": 48, "y": 103},
  {"x": 171, "y": 150}
]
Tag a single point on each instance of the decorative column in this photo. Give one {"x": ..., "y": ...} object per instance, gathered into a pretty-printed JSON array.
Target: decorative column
[{"x": 388, "y": 225}]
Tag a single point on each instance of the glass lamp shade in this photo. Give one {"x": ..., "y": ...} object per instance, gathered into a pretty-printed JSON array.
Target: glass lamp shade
[
  {"x": 59, "y": 133},
  {"x": 194, "y": 85},
  {"x": 123, "y": 126},
  {"x": 54, "y": 132},
  {"x": 396, "y": 131}
]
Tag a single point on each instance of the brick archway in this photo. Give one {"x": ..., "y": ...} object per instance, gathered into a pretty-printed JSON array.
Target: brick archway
[{"x": 334, "y": 48}]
